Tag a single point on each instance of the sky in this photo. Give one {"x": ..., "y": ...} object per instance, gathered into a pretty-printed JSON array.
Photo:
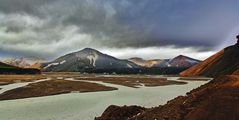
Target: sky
[{"x": 121, "y": 28}]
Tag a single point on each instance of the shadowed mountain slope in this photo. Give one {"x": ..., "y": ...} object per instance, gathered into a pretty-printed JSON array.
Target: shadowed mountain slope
[
  {"x": 9, "y": 69},
  {"x": 3, "y": 65}
]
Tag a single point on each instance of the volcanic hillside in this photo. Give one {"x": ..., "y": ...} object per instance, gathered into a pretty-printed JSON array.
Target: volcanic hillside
[{"x": 224, "y": 62}]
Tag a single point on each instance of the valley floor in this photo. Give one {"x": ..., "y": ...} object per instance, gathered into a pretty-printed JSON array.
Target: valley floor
[{"x": 26, "y": 86}]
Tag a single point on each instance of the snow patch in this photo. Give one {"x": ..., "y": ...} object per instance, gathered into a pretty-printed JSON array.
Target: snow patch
[
  {"x": 55, "y": 64},
  {"x": 129, "y": 66},
  {"x": 92, "y": 57},
  {"x": 62, "y": 62}
]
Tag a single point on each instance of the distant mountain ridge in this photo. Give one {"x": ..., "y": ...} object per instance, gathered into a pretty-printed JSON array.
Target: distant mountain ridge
[
  {"x": 179, "y": 61},
  {"x": 24, "y": 62},
  {"x": 224, "y": 62}
]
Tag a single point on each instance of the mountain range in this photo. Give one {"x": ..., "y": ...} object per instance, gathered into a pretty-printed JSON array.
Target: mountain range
[
  {"x": 179, "y": 61},
  {"x": 90, "y": 59},
  {"x": 24, "y": 62},
  {"x": 93, "y": 61}
]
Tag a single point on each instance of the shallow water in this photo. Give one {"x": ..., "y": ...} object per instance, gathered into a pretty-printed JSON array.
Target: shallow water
[
  {"x": 5, "y": 88},
  {"x": 85, "y": 106}
]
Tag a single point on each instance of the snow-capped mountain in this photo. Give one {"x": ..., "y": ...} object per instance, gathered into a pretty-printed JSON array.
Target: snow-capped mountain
[
  {"x": 87, "y": 59},
  {"x": 23, "y": 62}
]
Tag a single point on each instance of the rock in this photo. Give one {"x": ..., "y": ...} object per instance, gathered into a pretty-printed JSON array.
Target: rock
[
  {"x": 120, "y": 113},
  {"x": 237, "y": 40}
]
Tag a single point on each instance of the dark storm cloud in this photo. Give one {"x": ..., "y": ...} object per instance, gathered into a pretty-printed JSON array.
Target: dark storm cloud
[
  {"x": 53, "y": 27},
  {"x": 28, "y": 6}
]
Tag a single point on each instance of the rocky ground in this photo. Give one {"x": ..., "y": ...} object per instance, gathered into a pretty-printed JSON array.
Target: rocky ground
[
  {"x": 217, "y": 100},
  {"x": 121, "y": 113}
]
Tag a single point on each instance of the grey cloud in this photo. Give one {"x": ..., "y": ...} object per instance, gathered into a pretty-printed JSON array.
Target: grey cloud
[
  {"x": 27, "y": 6},
  {"x": 54, "y": 27}
]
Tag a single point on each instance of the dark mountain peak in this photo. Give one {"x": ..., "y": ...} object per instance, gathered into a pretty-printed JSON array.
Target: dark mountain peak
[
  {"x": 183, "y": 61},
  {"x": 135, "y": 58},
  {"x": 88, "y": 50},
  {"x": 182, "y": 57}
]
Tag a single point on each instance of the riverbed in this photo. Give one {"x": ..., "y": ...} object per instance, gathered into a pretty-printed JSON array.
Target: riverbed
[{"x": 86, "y": 106}]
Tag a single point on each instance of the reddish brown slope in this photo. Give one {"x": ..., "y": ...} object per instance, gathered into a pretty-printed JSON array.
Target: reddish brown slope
[
  {"x": 224, "y": 62},
  {"x": 236, "y": 73},
  {"x": 198, "y": 69}
]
